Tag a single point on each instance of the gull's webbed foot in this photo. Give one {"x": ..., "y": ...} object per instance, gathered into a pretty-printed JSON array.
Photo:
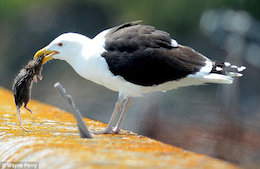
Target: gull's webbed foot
[
  {"x": 106, "y": 131},
  {"x": 122, "y": 105},
  {"x": 115, "y": 130}
]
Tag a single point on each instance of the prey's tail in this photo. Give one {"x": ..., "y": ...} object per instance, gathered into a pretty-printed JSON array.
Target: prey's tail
[
  {"x": 19, "y": 117},
  {"x": 222, "y": 72}
]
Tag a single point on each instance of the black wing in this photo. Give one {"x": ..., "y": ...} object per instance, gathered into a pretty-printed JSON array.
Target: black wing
[{"x": 144, "y": 56}]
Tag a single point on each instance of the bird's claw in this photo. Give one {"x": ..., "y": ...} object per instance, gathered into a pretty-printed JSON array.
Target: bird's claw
[{"x": 116, "y": 130}]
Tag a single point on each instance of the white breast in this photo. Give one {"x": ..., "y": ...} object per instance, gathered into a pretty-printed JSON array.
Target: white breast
[
  {"x": 96, "y": 69},
  {"x": 92, "y": 66}
]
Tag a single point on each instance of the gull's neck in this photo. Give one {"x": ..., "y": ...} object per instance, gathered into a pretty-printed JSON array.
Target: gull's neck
[
  {"x": 89, "y": 58},
  {"x": 93, "y": 48}
]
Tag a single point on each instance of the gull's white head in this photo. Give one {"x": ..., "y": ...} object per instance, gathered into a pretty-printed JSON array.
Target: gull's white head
[{"x": 64, "y": 47}]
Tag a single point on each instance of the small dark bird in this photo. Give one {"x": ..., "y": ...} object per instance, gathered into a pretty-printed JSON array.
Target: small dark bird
[{"x": 23, "y": 84}]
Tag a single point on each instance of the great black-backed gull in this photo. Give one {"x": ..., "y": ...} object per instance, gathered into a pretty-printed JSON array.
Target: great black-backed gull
[{"x": 135, "y": 59}]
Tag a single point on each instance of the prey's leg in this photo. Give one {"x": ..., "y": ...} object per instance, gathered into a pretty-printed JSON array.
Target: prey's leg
[
  {"x": 109, "y": 129},
  {"x": 125, "y": 108},
  {"x": 19, "y": 117},
  {"x": 25, "y": 106},
  {"x": 35, "y": 79},
  {"x": 40, "y": 77}
]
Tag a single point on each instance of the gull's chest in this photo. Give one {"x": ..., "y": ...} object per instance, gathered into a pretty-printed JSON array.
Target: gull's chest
[{"x": 96, "y": 69}]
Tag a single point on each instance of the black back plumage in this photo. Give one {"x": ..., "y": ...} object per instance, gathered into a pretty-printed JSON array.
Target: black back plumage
[{"x": 145, "y": 56}]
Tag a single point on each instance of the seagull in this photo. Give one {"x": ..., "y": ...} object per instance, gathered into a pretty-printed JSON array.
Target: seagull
[{"x": 134, "y": 59}]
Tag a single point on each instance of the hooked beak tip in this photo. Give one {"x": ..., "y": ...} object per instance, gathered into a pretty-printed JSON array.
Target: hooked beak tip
[
  {"x": 40, "y": 53},
  {"x": 46, "y": 52}
]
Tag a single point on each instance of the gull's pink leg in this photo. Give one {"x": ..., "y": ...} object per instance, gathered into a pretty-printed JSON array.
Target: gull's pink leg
[
  {"x": 109, "y": 129},
  {"x": 125, "y": 108}
]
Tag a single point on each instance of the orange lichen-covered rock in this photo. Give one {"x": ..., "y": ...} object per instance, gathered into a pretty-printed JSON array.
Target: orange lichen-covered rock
[{"x": 54, "y": 142}]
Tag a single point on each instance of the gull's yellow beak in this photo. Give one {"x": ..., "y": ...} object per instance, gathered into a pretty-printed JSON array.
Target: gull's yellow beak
[{"x": 48, "y": 54}]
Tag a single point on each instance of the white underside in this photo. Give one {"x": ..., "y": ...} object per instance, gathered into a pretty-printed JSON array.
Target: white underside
[
  {"x": 117, "y": 83},
  {"x": 89, "y": 64}
]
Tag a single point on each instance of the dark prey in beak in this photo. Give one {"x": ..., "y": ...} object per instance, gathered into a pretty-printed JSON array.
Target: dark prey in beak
[{"x": 23, "y": 84}]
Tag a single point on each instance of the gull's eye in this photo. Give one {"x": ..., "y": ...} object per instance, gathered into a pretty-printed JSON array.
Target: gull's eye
[{"x": 60, "y": 44}]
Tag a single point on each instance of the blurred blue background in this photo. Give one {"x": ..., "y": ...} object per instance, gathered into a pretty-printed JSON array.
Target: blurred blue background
[{"x": 219, "y": 120}]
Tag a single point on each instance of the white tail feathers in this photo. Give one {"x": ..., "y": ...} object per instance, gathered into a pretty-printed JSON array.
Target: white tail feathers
[
  {"x": 237, "y": 69},
  {"x": 227, "y": 64},
  {"x": 227, "y": 69},
  {"x": 234, "y": 74},
  {"x": 218, "y": 78},
  {"x": 219, "y": 72}
]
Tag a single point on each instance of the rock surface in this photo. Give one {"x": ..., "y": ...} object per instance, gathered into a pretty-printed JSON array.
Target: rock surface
[{"x": 54, "y": 142}]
